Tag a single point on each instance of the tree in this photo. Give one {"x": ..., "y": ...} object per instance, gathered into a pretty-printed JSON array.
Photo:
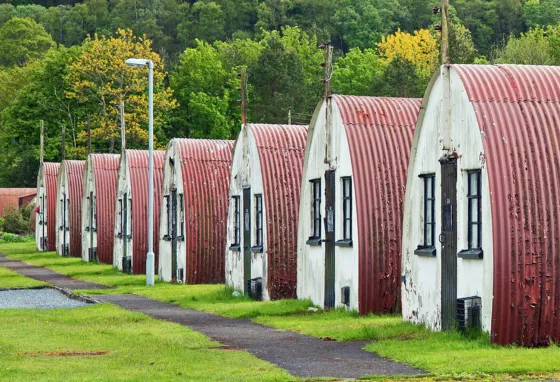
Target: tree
[
  {"x": 541, "y": 12},
  {"x": 420, "y": 49},
  {"x": 401, "y": 78},
  {"x": 461, "y": 45},
  {"x": 357, "y": 73},
  {"x": 22, "y": 41},
  {"x": 205, "y": 21},
  {"x": 99, "y": 80},
  {"x": 538, "y": 46}
]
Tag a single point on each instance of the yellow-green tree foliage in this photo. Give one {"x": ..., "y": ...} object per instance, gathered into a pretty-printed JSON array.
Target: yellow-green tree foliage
[
  {"x": 419, "y": 48},
  {"x": 99, "y": 79}
]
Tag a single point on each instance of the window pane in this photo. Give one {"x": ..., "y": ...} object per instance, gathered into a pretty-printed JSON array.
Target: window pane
[
  {"x": 474, "y": 210},
  {"x": 474, "y": 183},
  {"x": 428, "y": 183},
  {"x": 428, "y": 235},
  {"x": 474, "y": 236},
  {"x": 346, "y": 187},
  {"x": 347, "y": 208},
  {"x": 429, "y": 217},
  {"x": 347, "y": 229}
]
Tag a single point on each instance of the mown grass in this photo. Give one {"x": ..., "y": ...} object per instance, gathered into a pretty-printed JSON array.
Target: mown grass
[
  {"x": 448, "y": 355},
  {"x": 37, "y": 345},
  {"x": 10, "y": 279}
]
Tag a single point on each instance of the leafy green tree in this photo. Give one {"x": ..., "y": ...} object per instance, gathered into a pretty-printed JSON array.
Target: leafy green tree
[
  {"x": 461, "y": 45},
  {"x": 401, "y": 78},
  {"x": 481, "y": 18},
  {"x": 22, "y": 41},
  {"x": 357, "y": 73},
  {"x": 205, "y": 21},
  {"x": 541, "y": 12},
  {"x": 6, "y": 13},
  {"x": 538, "y": 46}
]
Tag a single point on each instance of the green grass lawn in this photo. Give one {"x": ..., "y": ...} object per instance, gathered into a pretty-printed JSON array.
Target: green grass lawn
[
  {"x": 448, "y": 355},
  {"x": 10, "y": 279},
  {"x": 41, "y": 345}
]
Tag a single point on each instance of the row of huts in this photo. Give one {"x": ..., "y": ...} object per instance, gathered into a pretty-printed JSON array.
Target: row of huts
[{"x": 446, "y": 208}]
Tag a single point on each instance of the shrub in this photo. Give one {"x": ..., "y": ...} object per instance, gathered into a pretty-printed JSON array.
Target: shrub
[{"x": 17, "y": 220}]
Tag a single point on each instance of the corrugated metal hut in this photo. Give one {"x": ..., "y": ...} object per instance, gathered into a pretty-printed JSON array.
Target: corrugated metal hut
[
  {"x": 69, "y": 208},
  {"x": 15, "y": 198},
  {"x": 481, "y": 233},
  {"x": 45, "y": 225},
  {"x": 350, "y": 217},
  {"x": 131, "y": 231},
  {"x": 194, "y": 211},
  {"x": 263, "y": 210},
  {"x": 98, "y": 207}
]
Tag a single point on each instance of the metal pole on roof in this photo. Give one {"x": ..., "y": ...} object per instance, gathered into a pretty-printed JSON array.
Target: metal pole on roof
[
  {"x": 445, "y": 32},
  {"x": 150, "y": 258},
  {"x": 243, "y": 92},
  {"x": 123, "y": 128},
  {"x": 42, "y": 144},
  {"x": 63, "y": 143}
]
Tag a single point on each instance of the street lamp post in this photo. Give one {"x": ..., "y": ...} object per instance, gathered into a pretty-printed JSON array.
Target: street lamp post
[{"x": 150, "y": 258}]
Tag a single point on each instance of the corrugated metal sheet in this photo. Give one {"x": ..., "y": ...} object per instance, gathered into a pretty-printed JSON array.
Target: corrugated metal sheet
[
  {"x": 137, "y": 161},
  {"x": 74, "y": 170},
  {"x": 379, "y": 132},
  {"x": 48, "y": 174},
  {"x": 206, "y": 166},
  {"x": 281, "y": 152},
  {"x": 105, "y": 171},
  {"x": 9, "y": 197},
  {"x": 518, "y": 111},
  {"x": 24, "y": 200}
]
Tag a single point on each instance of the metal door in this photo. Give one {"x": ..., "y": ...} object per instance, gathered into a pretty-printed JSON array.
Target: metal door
[
  {"x": 64, "y": 225},
  {"x": 43, "y": 224},
  {"x": 124, "y": 227},
  {"x": 329, "y": 238},
  {"x": 246, "y": 238},
  {"x": 174, "y": 235},
  {"x": 448, "y": 240},
  {"x": 91, "y": 214}
]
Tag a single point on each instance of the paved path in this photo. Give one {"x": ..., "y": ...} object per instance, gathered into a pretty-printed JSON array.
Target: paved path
[
  {"x": 301, "y": 355},
  {"x": 46, "y": 275}
]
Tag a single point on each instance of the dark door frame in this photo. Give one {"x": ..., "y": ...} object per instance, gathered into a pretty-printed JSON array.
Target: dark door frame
[
  {"x": 246, "y": 238},
  {"x": 330, "y": 228},
  {"x": 448, "y": 240},
  {"x": 174, "y": 236}
]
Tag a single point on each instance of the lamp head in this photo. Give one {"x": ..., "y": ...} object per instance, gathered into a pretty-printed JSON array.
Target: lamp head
[{"x": 137, "y": 62}]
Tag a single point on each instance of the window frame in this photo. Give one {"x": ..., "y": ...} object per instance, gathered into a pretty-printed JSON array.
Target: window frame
[
  {"x": 315, "y": 237},
  {"x": 424, "y": 249},
  {"x": 236, "y": 244},
  {"x": 347, "y": 210},
  {"x": 472, "y": 251},
  {"x": 182, "y": 216},
  {"x": 167, "y": 198},
  {"x": 258, "y": 247}
]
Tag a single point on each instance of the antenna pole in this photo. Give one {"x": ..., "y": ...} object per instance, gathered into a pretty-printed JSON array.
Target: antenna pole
[
  {"x": 289, "y": 117},
  {"x": 327, "y": 66},
  {"x": 88, "y": 135},
  {"x": 243, "y": 90},
  {"x": 63, "y": 148},
  {"x": 42, "y": 144},
  {"x": 445, "y": 32},
  {"x": 123, "y": 128}
]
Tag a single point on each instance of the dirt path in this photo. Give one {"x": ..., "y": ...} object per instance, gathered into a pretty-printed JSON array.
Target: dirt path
[{"x": 301, "y": 355}]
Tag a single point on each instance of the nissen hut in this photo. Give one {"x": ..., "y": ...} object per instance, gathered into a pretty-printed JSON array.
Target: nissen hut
[
  {"x": 45, "y": 224},
  {"x": 69, "y": 208},
  {"x": 98, "y": 207},
  {"x": 261, "y": 257},
  {"x": 131, "y": 229},
  {"x": 481, "y": 234},
  {"x": 194, "y": 211},
  {"x": 352, "y": 192}
]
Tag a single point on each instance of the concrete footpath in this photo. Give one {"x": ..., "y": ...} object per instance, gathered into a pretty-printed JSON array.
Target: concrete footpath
[{"x": 301, "y": 355}]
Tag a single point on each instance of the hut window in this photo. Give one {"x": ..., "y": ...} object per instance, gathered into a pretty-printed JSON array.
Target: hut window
[
  {"x": 168, "y": 209},
  {"x": 120, "y": 218},
  {"x": 475, "y": 218},
  {"x": 259, "y": 219},
  {"x": 347, "y": 208},
  {"x": 427, "y": 248},
  {"x": 236, "y": 222},
  {"x": 315, "y": 212},
  {"x": 182, "y": 207}
]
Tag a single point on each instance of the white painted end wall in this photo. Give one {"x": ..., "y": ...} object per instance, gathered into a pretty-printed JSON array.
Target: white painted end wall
[
  {"x": 88, "y": 237},
  {"x": 421, "y": 286},
  {"x": 123, "y": 186}
]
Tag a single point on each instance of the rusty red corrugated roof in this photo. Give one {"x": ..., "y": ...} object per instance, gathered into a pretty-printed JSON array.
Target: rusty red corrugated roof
[
  {"x": 206, "y": 166},
  {"x": 379, "y": 132},
  {"x": 518, "y": 112},
  {"x": 74, "y": 170},
  {"x": 105, "y": 171},
  {"x": 9, "y": 197},
  {"x": 49, "y": 172},
  {"x": 137, "y": 161},
  {"x": 281, "y": 151}
]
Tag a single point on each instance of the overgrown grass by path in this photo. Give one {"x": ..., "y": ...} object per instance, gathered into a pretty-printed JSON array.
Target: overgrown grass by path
[
  {"x": 10, "y": 279},
  {"x": 104, "y": 342},
  {"x": 449, "y": 355}
]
